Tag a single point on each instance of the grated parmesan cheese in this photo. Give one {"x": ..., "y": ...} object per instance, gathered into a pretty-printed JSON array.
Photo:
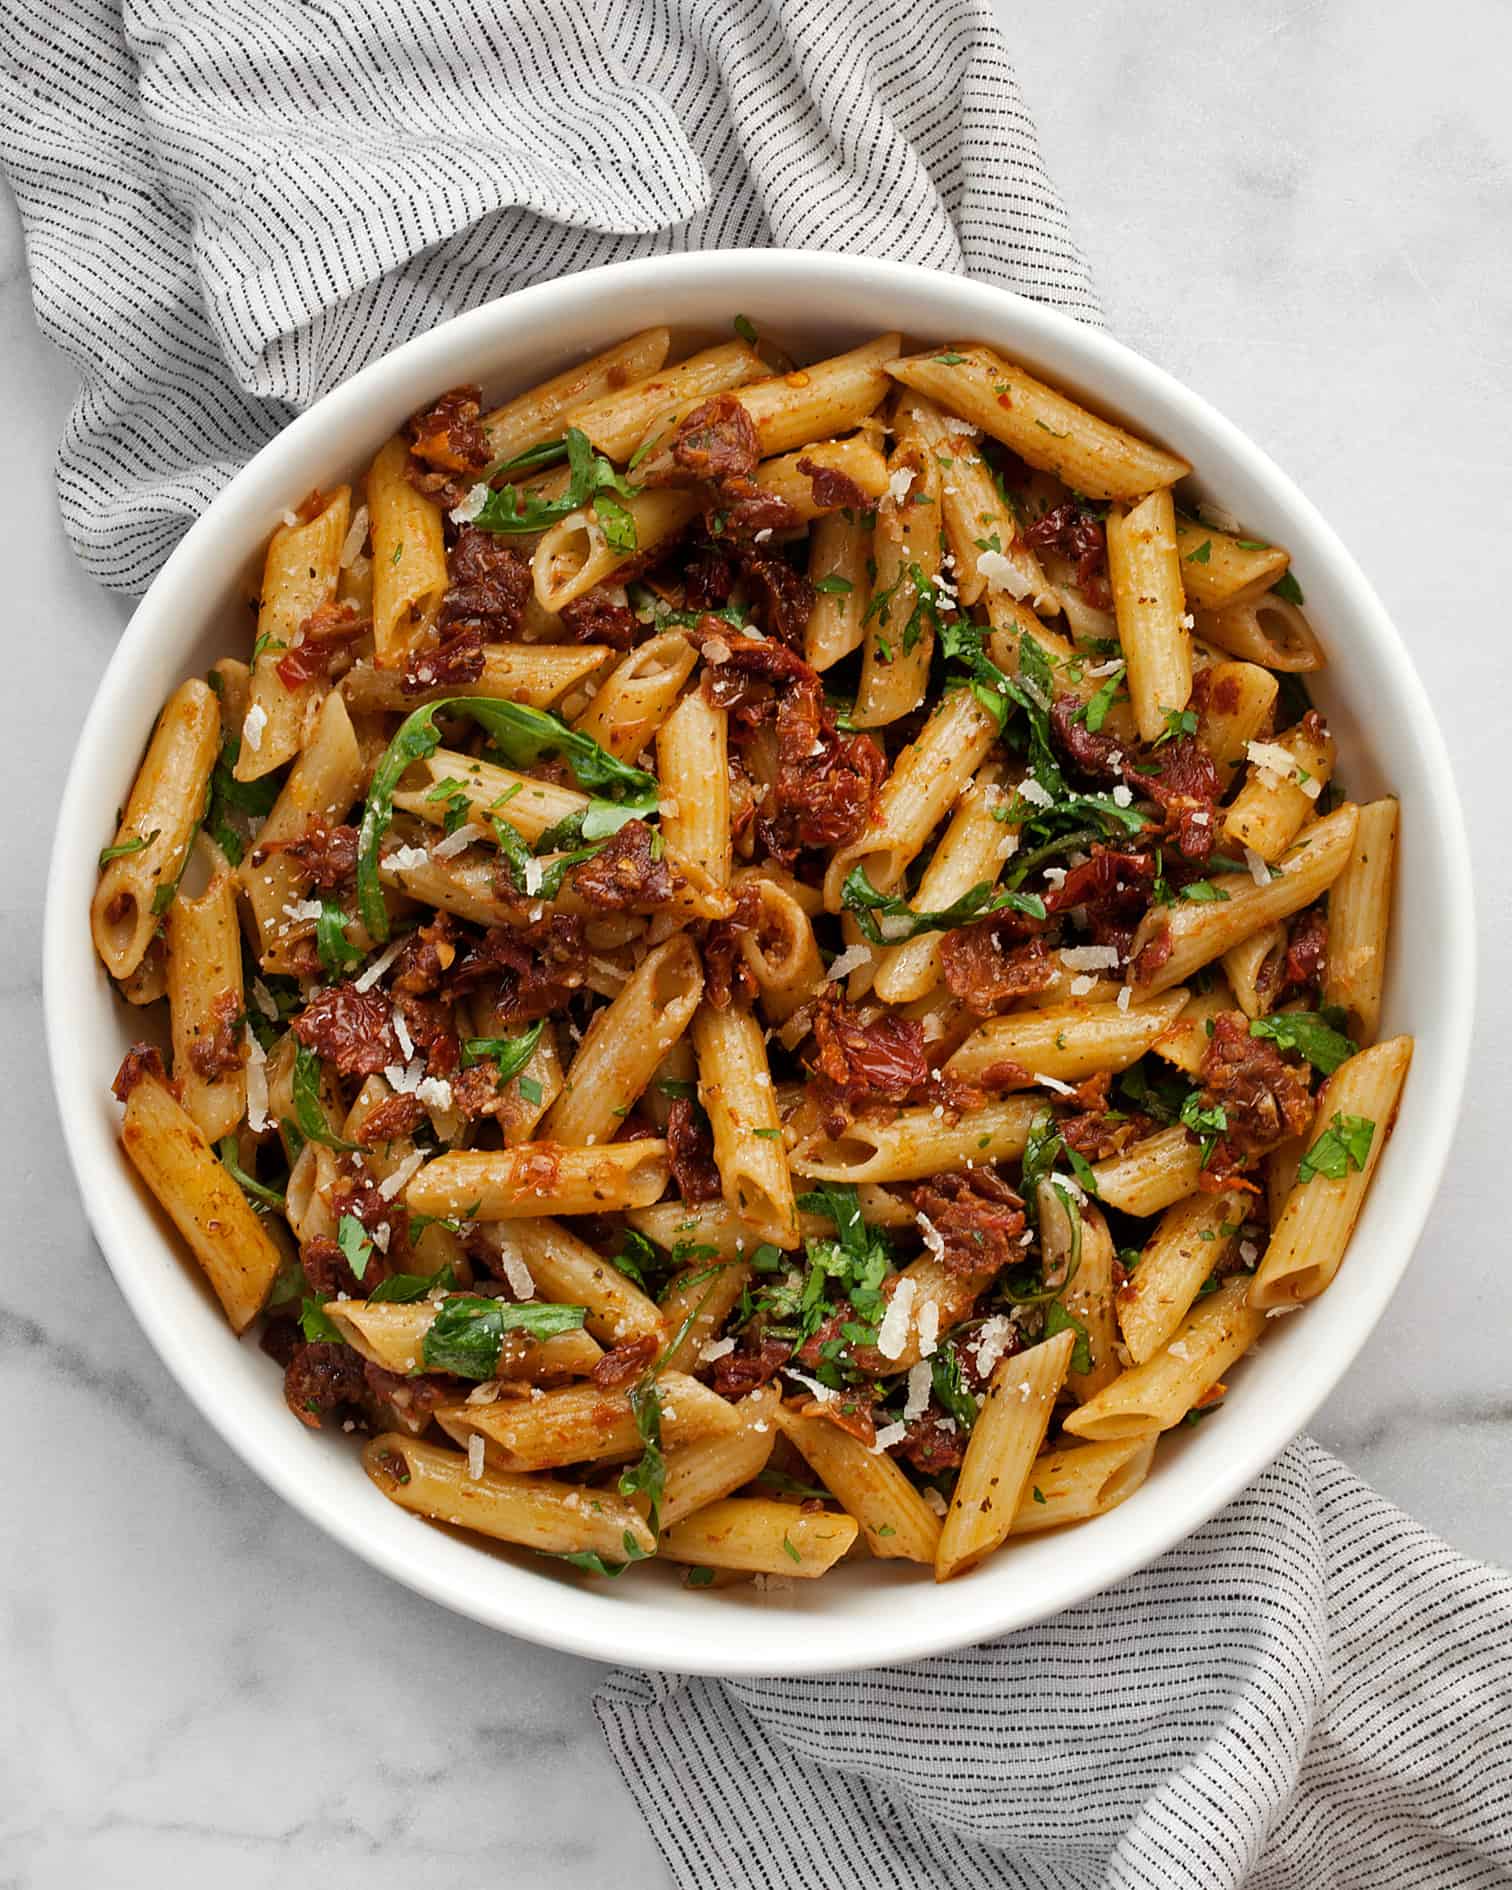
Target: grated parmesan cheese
[
  {"x": 934, "y": 1240},
  {"x": 401, "y": 1033},
  {"x": 892, "y": 1334},
  {"x": 853, "y": 958},
  {"x": 255, "y": 722},
  {"x": 1123, "y": 795},
  {"x": 1125, "y": 998},
  {"x": 379, "y": 965},
  {"x": 1090, "y": 957},
  {"x": 716, "y": 1348},
  {"x": 471, "y": 506},
  {"x": 993, "y": 1340},
  {"x": 1259, "y": 872},
  {"x": 929, "y": 1327},
  {"x": 406, "y": 859},
  {"x": 822, "y": 1392},
  {"x": 1053, "y": 1083},
  {"x": 391, "y": 1185},
  {"x": 1002, "y": 575},
  {"x": 435, "y": 1092},
  {"x": 920, "y": 1389},
  {"x": 898, "y": 484},
  {"x": 300, "y": 910},
  {"x": 889, "y": 1435},
  {"x": 475, "y": 1456},
  {"x": 1081, "y": 986},
  {"x": 1034, "y": 793},
  {"x": 518, "y": 1276},
  {"x": 935, "y": 1501},
  {"x": 257, "y": 1085},
  {"x": 356, "y": 538},
  {"x": 457, "y": 842},
  {"x": 265, "y": 1001}
]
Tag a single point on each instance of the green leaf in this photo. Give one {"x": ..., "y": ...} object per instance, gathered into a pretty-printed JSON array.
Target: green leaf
[
  {"x": 1287, "y": 587},
  {"x": 648, "y": 1475},
  {"x": 899, "y": 921},
  {"x": 636, "y": 1255},
  {"x": 790, "y": 1550},
  {"x": 356, "y": 1247},
  {"x": 512, "y": 850},
  {"x": 509, "y": 1054},
  {"x": 1202, "y": 554},
  {"x": 530, "y": 1089},
  {"x": 1043, "y": 1146},
  {"x": 259, "y": 1192},
  {"x": 317, "y": 1327},
  {"x": 745, "y": 328},
  {"x": 525, "y": 737},
  {"x": 1206, "y": 1123},
  {"x": 950, "y": 360},
  {"x": 1177, "y": 722},
  {"x": 309, "y": 1111},
  {"x": 1343, "y": 1145},
  {"x": 467, "y": 1333},
  {"x": 403, "y": 1289},
  {"x": 1312, "y": 1034},
  {"x": 1057, "y": 1319},
  {"x": 700, "y": 1577},
  {"x": 617, "y": 522},
  {"x": 834, "y": 585},
  {"x": 337, "y": 952},
  {"x": 138, "y": 841},
  {"x": 533, "y": 459},
  {"x": 594, "y": 1563},
  {"x": 950, "y": 1387},
  {"x": 513, "y": 509},
  {"x": 1099, "y": 705},
  {"x": 1202, "y": 892}
]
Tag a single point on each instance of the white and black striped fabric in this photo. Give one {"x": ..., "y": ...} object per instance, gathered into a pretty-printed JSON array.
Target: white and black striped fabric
[
  {"x": 1310, "y": 1693},
  {"x": 230, "y": 205}
]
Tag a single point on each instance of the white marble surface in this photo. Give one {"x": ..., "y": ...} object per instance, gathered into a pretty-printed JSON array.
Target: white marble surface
[{"x": 1303, "y": 210}]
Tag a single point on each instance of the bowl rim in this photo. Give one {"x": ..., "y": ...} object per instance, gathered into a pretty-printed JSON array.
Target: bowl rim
[{"x": 606, "y": 1631}]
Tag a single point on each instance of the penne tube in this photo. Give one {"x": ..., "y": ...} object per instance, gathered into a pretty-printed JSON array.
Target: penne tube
[
  {"x": 899, "y": 635},
  {"x": 1359, "y": 913},
  {"x": 1281, "y": 1166},
  {"x": 1066, "y": 1486},
  {"x": 574, "y": 555},
  {"x": 693, "y": 766},
  {"x": 529, "y": 805},
  {"x": 1158, "y": 1394},
  {"x": 927, "y": 779},
  {"x": 625, "y": 1043},
  {"x": 1075, "y": 1245},
  {"x": 915, "y": 1143},
  {"x": 760, "y": 1537},
  {"x": 584, "y": 1423},
  {"x": 1066, "y": 1043},
  {"x": 778, "y": 948},
  {"x": 1163, "y": 1168},
  {"x": 536, "y": 1178},
  {"x": 205, "y": 1005},
  {"x": 1191, "y": 1239},
  {"x": 735, "y": 1088},
  {"x": 620, "y": 420},
  {"x": 1197, "y": 934},
  {"x": 972, "y": 851},
  {"x": 1269, "y": 630},
  {"x": 300, "y": 574},
  {"x": 1005, "y": 1441},
  {"x": 568, "y": 1272},
  {"x": 718, "y": 1465},
  {"x": 409, "y": 558},
  {"x": 1234, "y": 702},
  {"x": 155, "y": 829},
  {"x": 987, "y": 548},
  {"x": 542, "y": 413},
  {"x": 635, "y": 698},
  {"x": 393, "y": 1336},
  {"x": 790, "y": 477},
  {"x": 1045, "y": 428},
  {"x": 839, "y": 554},
  {"x": 1185, "y": 1043},
  {"x": 149, "y": 981},
  {"x": 1222, "y": 568},
  {"x": 538, "y": 674},
  {"x": 226, "y": 1236},
  {"x": 820, "y": 400},
  {"x": 1147, "y": 601},
  {"x": 1252, "y": 966},
  {"x": 1313, "y": 1230},
  {"x": 535, "y": 1512},
  {"x": 894, "y": 1519},
  {"x": 1286, "y": 776},
  {"x": 320, "y": 788}
]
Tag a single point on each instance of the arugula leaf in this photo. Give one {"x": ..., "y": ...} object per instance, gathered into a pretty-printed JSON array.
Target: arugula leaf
[
  {"x": 617, "y": 522},
  {"x": 1286, "y": 586},
  {"x": 1041, "y": 1149},
  {"x": 403, "y": 1289},
  {"x": 467, "y": 1334},
  {"x": 950, "y": 1387},
  {"x": 595, "y": 1564},
  {"x": 525, "y": 736},
  {"x": 745, "y": 328},
  {"x": 512, "y": 850},
  {"x": 899, "y": 921},
  {"x": 1343, "y": 1145},
  {"x": 1099, "y": 705},
  {"x": 309, "y": 1111},
  {"x": 636, "y": 1254},
  {"x": 1057, "y": 1319},
  {"x": 337, "y": 952},
  {"x": 259, "y": 1192},
  {"x": 317, "y": 1326},
  {"x": 1313, "y": 1034},
  {"x": 252, "y": 798},
  {"x": 136, "y": 844},
  {"x": 649, "y": 1473},
  {"x": 513, "y": 509},
  {"x": 355, "y": 1244},
  {"x": 533, "y": 459},
  {"x": 510, "y": 1054}
]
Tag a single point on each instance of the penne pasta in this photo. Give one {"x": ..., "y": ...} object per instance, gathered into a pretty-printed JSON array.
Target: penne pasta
[
  {"x": 1146, "y": 577},
  {"x": 637, "y": 695},
  {"x": 583, "y": 1423},
  {"x": 735, "y": 1087},
  {"x": 894, "y": 1519},
  {"x": 1189, "y": 1242},
  {"x": 899, "y": 634},
  {"x": 760, "y": 1537},
  {"x": 1066, "y": 1486},
  {"x": 1359, "y": 912},
  {"x": 300, "y": 575},
  {"x": 536, "y": 1178},
  {"x": 205, "y": 1006},
  {"x": 1220, "y": 568},
  {"x": 539, "y": 414},
  {"x": 409, "y": 558},
  {"x": 1269, "y": 630},
  {"x": 1065, "y": 1043}
]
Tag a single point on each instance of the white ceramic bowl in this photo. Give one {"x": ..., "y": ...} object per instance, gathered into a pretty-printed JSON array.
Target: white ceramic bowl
[{"x": 864, "y": 1613}]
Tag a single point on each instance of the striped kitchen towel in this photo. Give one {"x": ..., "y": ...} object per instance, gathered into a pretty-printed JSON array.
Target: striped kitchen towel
[
  {"x": 231, "y": 205},
  {"x": 1310, "y": 1693}
]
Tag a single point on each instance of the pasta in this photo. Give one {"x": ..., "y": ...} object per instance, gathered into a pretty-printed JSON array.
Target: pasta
[{"x": 759, "y": 965}]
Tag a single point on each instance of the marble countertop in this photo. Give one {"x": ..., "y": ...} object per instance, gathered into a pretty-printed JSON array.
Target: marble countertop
[{"x": 1300, "y": 209}]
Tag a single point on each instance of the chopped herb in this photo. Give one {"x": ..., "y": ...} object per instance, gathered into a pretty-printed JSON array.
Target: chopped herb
[
  {"x": 1099, "y": 705},
  {"x": 950, "y": 360},
  {"x": 1287, "y": 587},
  {"x": 699, "y": 1577},
  {"x": 1202, "y": 554},
  {"x": 745, "y": 328},
  {"x": 1343, "y": 1145},
  {"x": 1312, "y": 1034},
  {"x": 508, "y": 1054},
  {"x": 647, "y": 1476},
  {"x": 530, "y": 1089},
  {"x": 1202, "y": 892},
  {"x": 309, "y": 1111},
  {"x": 533, "y": 459},
  {"x": 617, "y": 522},
  {"x": 1038, "y": 1494},
  {"x": 1057, "y": 1319},
  {"x": 134, "y": 845},
  {"x": 950, "y": 1387},
  {"x": 317, "y": 1327},
  {"x": 677, "y": 1088},
  {"x": 259, "y": 1192},
  {"x": 789, "y": 1550},
  {"x": 337, "y": 952},
  {"x": 768, "y": 1135},
  {"x": 1052, "y": 432},
  {"x": 467, "y": 1334},
  {"x": 899, "y": 920},
  {"x": 356, "y": 1246},
  {"x": 834, "y": 585},
  {"x": 1252, "y": 544},
  {"x": 398, "y": 552},
  {"x": 403, "y": 1289},
  {"x": 513, "y": 509},
  {"x": 636, "y": 1254},
  {"x": 1207, "y": 1124},
  {"x": 1177, "y": 722}
]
